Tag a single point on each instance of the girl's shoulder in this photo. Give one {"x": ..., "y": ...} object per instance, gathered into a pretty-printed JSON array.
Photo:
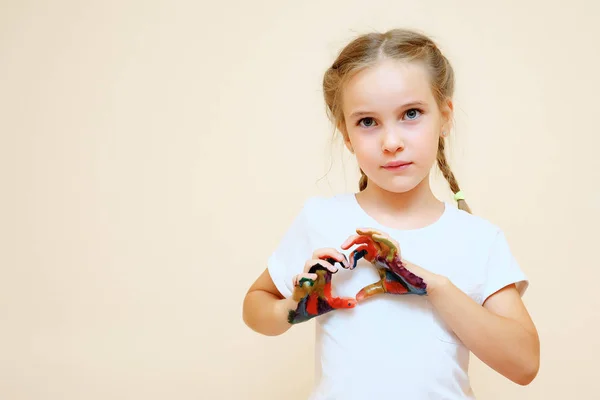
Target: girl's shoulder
[
  {"x": 473, "y": 225},
  {"x": 472, "y": 222}
]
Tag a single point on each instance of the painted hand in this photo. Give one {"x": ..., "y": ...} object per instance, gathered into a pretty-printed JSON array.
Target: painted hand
[
  {"x": 312, "y": 289},
  {"x": 384, "y": 253}
]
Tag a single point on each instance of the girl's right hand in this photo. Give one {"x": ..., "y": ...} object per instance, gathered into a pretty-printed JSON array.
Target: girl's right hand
[
  {"x": 312, "y": 288},
  {"x": 326, "y": 257}
]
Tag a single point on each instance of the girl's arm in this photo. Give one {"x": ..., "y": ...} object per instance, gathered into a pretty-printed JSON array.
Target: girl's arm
[
  {"x": 265, "y": 310},
  {"x": 500, "y": 333}
]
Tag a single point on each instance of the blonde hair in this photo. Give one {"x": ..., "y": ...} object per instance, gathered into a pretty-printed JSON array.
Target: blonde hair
[{"x": 399, "y": 44}]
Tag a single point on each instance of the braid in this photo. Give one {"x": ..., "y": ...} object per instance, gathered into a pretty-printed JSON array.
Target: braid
[
  {"x": 448, "y": 174},
  {"x": 362, "y": 183}
]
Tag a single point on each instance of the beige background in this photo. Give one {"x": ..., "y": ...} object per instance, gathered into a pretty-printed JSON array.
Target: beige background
[{"x": 153, "y": 153}]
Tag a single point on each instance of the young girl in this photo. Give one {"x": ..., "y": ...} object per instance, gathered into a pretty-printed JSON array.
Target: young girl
[{"x": 457, "y": 288}]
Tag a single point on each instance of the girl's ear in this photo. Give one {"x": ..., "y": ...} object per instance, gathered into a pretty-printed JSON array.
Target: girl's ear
[
  {"x": 348, "y": 144},
  {"x": 342, "y": 128},
  {"x": 447, "y": 116}
]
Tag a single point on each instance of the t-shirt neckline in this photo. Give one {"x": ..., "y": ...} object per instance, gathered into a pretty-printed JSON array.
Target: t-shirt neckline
[{"x": 376, "y": 224}]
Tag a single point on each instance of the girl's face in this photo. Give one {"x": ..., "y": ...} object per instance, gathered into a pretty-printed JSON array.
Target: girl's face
[{"x": 393, "y": 124}]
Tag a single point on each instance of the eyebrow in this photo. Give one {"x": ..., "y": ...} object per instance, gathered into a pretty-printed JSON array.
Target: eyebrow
[{"x": 411, "y": 104}]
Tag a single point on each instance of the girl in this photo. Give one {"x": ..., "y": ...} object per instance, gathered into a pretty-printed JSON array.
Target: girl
[{"x": 390, "y": 95}]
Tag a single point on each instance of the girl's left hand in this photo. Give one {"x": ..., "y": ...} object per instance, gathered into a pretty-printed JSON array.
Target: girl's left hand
[{"x": 379, "y": 248}]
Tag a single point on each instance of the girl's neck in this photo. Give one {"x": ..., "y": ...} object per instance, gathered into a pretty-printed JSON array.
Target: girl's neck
[{"x": 411, "y": 209}]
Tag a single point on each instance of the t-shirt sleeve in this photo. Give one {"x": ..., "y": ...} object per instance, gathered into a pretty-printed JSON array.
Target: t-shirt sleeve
[
  {"x": 291, "y": 253},
  {"x": 503, "y": 269}
]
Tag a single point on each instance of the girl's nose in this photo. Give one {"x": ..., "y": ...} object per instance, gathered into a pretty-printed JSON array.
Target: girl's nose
[{"x": 392, "y": 141}]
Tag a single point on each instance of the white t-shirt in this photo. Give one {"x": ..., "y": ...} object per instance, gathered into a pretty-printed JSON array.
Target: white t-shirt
[{"x": 394, "y": 346}]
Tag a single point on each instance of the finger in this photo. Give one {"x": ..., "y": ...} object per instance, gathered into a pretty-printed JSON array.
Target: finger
[
  {"x": 355, "y": 239},
  {"x": 367, "y": 248},
  {"x": 311, "y": 263},
  {"x": 343, "y": 260},
  {"x": 389, "y": 246},
  {"x": 361, "y": 251},
  {"x": 349, "y": 242},
  {"x": 370, "y": 291},
  {"x": 379, "y": 238},
  {"x": 346, "y": 263},
  {"x": 303, "y": 275},
  {"x": 384, "y": 242},
  {"x": 367, "y": 231},
  {"x": 329, "y": 252},
  {"x": 384, "y": 237},
  {"x": 370, "y": 237}
]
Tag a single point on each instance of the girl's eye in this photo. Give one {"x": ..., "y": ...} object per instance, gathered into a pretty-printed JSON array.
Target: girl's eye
[
  {"x": 410, "y": 115},
  {"x": 413, "y": 113},
  {"x": 370, "y": 119}
]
